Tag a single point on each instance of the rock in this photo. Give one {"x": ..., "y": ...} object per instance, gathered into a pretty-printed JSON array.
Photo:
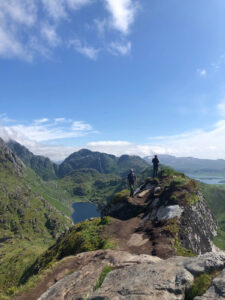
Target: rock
[
  {"x": 144, "y": 193},
  {"x": 82, "y": 282},
  {"x": 207, "y": 262},
  {"x": 216, "y": 289},
  {"x": 197, "y": 228},
  {"x": 168, "y": 212},
  {"x": 159, "y": 281}
]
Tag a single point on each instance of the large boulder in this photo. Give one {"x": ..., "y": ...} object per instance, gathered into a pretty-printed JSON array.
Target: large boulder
[{"x": 137, "y": 277}]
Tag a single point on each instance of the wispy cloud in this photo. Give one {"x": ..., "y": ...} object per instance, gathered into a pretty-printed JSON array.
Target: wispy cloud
[
  {"x": 44, "y": 130},
  {"x": 88, "y": 51},
  {"x": 202, "y": 72},
  {"x": 120, "y": 48},
  {"x": 221, "y": 108},
  {"x": 29, "y": 28},
  {"x": 43, "y": 136}
]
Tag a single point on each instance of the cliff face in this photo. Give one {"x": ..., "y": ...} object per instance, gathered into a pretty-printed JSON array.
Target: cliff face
[{"x": 173, "y": 215}]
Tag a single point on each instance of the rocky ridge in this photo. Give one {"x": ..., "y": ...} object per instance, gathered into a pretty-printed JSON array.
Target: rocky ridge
[
  {"x": 166, "y": 218},
  {"x": 137, "y": 277}
]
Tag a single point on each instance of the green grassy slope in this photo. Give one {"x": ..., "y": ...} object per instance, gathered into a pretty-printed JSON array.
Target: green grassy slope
[
  {"x": 28, "y": 222},
  {"x": 215, "y": 197}
]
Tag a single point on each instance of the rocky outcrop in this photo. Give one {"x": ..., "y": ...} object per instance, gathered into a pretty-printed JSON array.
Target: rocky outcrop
[
  {"x": 9, "y": 160},
  {"x": 136, "y": 277},
  {"x": 172, "y": 211}
]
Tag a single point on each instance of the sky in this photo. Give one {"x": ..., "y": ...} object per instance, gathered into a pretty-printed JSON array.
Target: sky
[{"x": 139, "y": 77}]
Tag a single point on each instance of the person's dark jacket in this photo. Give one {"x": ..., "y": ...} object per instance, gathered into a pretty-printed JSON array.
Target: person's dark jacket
[
  {"x": 131, "y": 178},
  {"x": 155, "y": 162}
]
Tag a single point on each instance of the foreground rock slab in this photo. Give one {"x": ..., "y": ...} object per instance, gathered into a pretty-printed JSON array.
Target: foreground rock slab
[
  {"x": 82, "y": 282},
  {"x": 138, "y": 277}
]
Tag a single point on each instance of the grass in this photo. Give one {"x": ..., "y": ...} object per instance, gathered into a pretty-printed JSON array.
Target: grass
[
  {"x": 121, "y": 196},
  {"x": 173, "y": 227},
  {"x": 215, "y": 198},
  {"x": 200, "y": 285},
  {"x": 83, "y": 237},
  {"x": 102, "y": 277}
]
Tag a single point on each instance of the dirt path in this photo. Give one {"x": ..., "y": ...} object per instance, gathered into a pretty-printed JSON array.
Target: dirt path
[
  {"x": 127, "y": 237},
  {"x": 63, "y": 268}
]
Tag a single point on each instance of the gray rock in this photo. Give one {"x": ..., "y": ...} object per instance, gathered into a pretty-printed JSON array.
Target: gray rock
[
  {"x": 82, "y": 282},
  {"x": 158, "y": 281},
  {"x": 138, "y": 277},
  {"x": 197, "y": 227},
  {"x": 168, "y": 212},
  {"x": 200, "y": 264}
]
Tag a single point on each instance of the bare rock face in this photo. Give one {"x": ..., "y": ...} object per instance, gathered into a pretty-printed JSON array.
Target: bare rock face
[
  {"x": 197, "y": 227},
  {"x": 137, "y": 277},
  {"x": 9, "y": 159},
  {"x": 82, "y": 282},
  {"x": 170, "y": 209}
]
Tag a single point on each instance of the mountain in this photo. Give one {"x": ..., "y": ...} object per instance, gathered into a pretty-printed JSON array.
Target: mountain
[
  {"x": 46, "y": 169},
  {"x": 102, "y": 162},
  {"x": 193, "y": 166},
  {"x": 28, "y": 222},
  {"x": 155, "y": 240}
]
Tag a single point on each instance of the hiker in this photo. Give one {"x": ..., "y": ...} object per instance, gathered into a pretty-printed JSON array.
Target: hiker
[
  {"x": 155, "y": 162},
  {"x": 131, "y": 179}
]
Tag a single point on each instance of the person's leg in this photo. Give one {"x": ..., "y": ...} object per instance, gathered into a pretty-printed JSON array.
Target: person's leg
[
  {"x": 153, "y": 172},
  {"x": 131, "y": 190}
]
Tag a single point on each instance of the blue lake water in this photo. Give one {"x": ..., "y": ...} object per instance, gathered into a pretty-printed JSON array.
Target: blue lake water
[
  {"x": 84, "y": 211},
  {"x": 209, "y": 179}
]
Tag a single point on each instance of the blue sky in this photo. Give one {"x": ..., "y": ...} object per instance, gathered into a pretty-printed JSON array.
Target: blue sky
[{"x": 120, "y": 76}]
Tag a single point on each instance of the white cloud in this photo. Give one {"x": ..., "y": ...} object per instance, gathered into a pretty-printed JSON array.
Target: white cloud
[
  {"x": 44, "y": 120},
  {"x": 90, "y": 52},
  {"x": 45, "y": 130},
  {"x": 122, "y": 14},
  {"x": 197, "y": 143},
  {"x": 30, "y": 28},
  {"x": 81, "y": 126},
  {"x": 202, "y": 72},
  {"x": 221, "y": 108},
  {"x": 55, "y": 8},
  {"x": 101, "y": 26},
  {"x": 49, "y": 33},
  {"x": 58, "y": 120},
  {"x": 120, "y": 48},
  {"x": 37, "y": 137}
]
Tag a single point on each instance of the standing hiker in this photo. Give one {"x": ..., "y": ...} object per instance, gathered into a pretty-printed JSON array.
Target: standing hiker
[
  {"x": 131, "y": 179},
  {"x": 155, "y": 162}
]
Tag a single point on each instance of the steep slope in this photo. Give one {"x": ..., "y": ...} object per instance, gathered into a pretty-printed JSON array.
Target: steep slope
[
  {"x": 191, "y": 165},
  {"x": 28, "y": 223},
  {"x": 102, "y": 162},
  {"x": 41, "y": 165},
  {"x": 168, "y": 216},
  {"x": 215, "y": 197}
]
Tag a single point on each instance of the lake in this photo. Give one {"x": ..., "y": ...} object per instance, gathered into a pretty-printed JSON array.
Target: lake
[
  {"x": 208, "y": 179},
  {"x": 84, "y": 211}
]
